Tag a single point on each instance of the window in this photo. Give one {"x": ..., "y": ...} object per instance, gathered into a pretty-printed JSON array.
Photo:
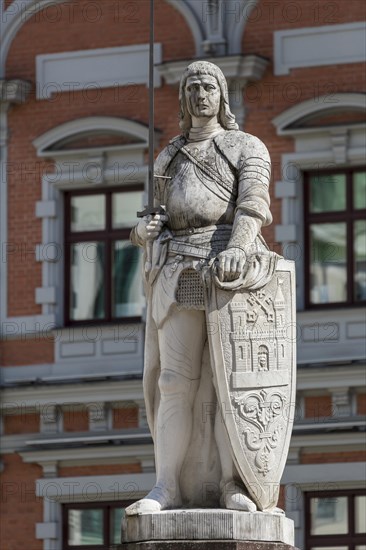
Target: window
[
  {"x": 336, "y": 520},
  {"x": 335, "y": 238},
  {"x": 102, "y": 279},
  {"x": 94, "y": 525}
]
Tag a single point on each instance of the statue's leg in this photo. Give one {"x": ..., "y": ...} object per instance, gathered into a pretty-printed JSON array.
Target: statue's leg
[
  {"x": 181, "y": 343},
  {"x": 233, "y": 493}
]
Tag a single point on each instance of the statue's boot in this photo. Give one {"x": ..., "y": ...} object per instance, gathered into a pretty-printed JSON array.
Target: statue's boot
[
  {"x": 234, "y": 497},
  {"x": 157, "y": 500}
]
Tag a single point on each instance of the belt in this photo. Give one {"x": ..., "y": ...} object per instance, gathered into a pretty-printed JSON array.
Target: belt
[
  {"x": 208, "y": 229},
  {"x": 186, "y": 249}
]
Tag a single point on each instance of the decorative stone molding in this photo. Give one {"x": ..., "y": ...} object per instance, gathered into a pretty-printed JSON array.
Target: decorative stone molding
[
  {"x": 248, "y": 67},
  {"x": 217, "y": 25},
  {"x": 14, "y": 91},
  {"x": 99, "y": 417},
  {"x": 339, "y": 139},
  {"x": 50, "y": 468},
  {"x": 51, "y": 418},
  {"x": 113, "y": 125},
  {"x": 317, "y": 46},
  {"x": 338, "y": 102},
  {"x": 142, "y": 419},
  {"x": 47, "y": 530},
  {"x": 83, "y": 392},
  {"x": 93, "y": 69},
  {"x": 341, "y": 402},
  {"x": 82, "y": 455}
]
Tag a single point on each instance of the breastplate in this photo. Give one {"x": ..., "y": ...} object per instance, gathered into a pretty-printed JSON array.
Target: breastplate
[{"x": 191, "y": 197}]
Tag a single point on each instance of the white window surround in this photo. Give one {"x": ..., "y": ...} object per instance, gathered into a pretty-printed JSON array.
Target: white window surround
[
  {"x": 83, "y": 168},
  {"x": 324, "y": 477},
  {"x": 61, "y": 490},
  {"x": 78, "y": 169},
  {"x": 317, "y": 46},
  {"x": 338, "y": 333},
  {"x": 131, "y": 169}
]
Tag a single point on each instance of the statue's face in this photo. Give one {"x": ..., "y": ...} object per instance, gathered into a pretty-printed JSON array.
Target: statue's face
[{"x": 202, "y": 94}]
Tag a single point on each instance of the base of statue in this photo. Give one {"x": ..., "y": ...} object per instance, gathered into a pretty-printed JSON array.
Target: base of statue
[
  {"x": 205, "y": 528},
  {"x": 204, "y": 545}
]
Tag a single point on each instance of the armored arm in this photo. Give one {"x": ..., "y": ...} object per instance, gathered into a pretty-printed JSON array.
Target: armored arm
[
  {"x": 149, "y": 227},
  {"x": 252, "y": 210}
]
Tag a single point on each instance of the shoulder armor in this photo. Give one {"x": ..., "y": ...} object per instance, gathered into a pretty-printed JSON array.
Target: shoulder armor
[
  {"x": 177, "y": 138},
  {"x": 166, "y": 156},
  {"x": 238, "y": 146}
]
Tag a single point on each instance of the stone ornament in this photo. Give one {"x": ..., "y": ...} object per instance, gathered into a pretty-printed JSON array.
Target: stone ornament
[{"x": 219, "y": 375}]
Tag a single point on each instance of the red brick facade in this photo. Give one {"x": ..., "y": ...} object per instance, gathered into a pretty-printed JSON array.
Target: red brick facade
[{"x": 83, "y": 25}]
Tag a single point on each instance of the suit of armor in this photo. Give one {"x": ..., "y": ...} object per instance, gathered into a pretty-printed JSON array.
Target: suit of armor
[
  {"x": 216, "y": 199},
  {"x": 213, "y": 183}
]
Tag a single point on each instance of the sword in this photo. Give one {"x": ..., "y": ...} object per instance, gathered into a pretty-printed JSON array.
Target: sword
[{"x": 150, "y": 209}]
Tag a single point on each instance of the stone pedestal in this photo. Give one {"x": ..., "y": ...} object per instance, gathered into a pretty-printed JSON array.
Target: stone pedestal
[
  {"x": 175, "y": 529},
  {"x": 205, "y": 545}
]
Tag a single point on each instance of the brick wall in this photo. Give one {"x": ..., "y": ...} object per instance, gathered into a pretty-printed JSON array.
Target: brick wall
[
  {"x": 125, "y": 417},
  {"x": 20, "y": 508},
  {"x": 124, "y": 23},
  {"x": 318, "y": 407},
  {"x": 21, "y": 423},
  {"x": 330, "y": 458}
]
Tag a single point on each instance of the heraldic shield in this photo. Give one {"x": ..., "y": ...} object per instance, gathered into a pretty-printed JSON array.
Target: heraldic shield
[{"x": 252, "y": 337}]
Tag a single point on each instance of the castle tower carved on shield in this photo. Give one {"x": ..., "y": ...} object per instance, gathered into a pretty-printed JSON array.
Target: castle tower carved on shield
[{"x": 258, "y": 336}]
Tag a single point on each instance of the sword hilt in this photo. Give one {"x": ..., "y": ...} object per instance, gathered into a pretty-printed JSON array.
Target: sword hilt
[{"x": 151, "y": 210}]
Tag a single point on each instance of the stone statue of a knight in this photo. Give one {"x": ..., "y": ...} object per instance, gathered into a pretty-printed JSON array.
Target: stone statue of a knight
[{"x": 219, "y": 358}]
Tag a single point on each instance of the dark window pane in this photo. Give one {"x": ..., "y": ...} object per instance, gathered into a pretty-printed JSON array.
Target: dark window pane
[
  {"x": 359, "y": 243},
  {"x": 360, "y": 515},
  {"x": 88, "y": 213},
  {"x": 329, "y": 516},
  {"x": 328, "y": 268},
  {"x": 359, "y": 190},
  {"x": 124, "y": 208},
  {"x": 85, "y": 527},
  {"x": 116, "y": 518},
  {"x": 327, "y": 193},
  {"x": 127, "y": 298},
  {"x": 87, "y": 281}
]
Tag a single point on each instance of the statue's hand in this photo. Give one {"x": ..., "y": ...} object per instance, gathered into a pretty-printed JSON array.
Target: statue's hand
[
  {"x": 230, "y": 264},
  {"x": 149, "y": 227}
]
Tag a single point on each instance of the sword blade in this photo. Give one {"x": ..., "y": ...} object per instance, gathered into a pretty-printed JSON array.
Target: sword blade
[
  {"x": 151, "y": 109},
  {"x": 150, "y": 208}
]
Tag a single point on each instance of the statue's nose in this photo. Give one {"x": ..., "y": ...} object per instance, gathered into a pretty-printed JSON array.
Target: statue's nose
[{"x": 201, "y": 92}]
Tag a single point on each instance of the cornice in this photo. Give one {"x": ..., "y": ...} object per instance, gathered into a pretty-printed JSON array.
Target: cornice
[{"x": 243, "y": 67}]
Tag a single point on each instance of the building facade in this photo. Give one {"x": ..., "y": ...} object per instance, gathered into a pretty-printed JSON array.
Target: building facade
[{"x": 75, "y": 447}]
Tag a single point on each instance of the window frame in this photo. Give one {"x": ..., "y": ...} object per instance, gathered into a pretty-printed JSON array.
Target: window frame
[
  {"x": 347, "y": 216},
  {"x": 108, "y": 235},
  {"x": 107, "y": 506},
  {"x": 351, "y": 539}
]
